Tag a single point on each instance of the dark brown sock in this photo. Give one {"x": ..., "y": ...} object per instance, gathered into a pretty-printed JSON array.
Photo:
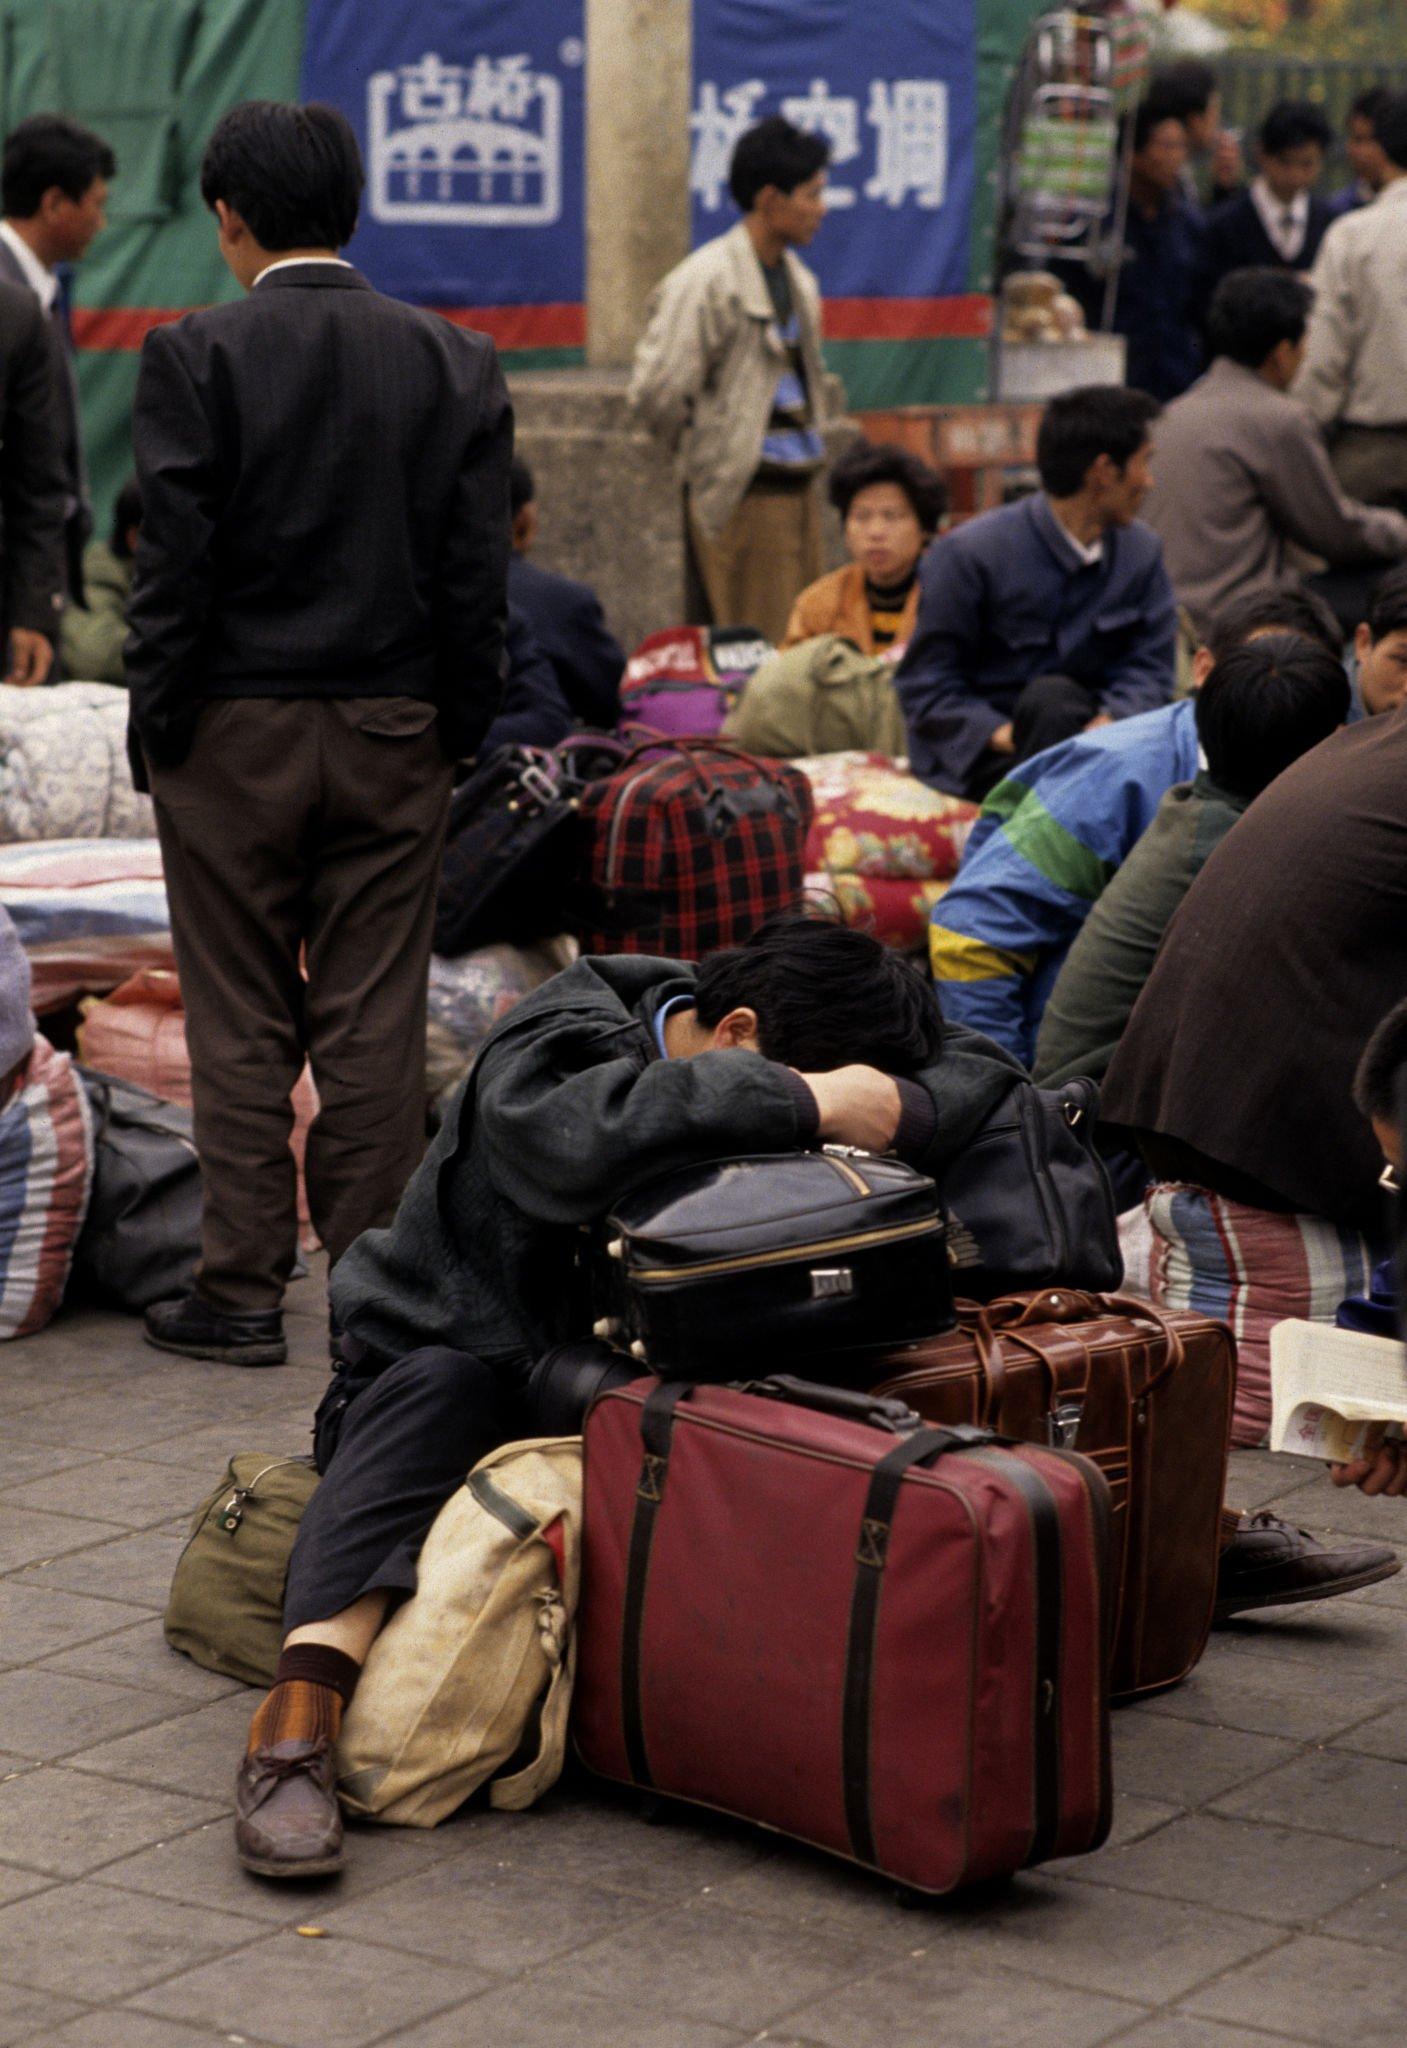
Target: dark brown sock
[{"x": 312, "y": 1685}]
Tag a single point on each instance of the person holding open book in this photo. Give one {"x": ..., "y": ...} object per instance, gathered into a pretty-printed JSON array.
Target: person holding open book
[{"x": 1378, "y": 1092}]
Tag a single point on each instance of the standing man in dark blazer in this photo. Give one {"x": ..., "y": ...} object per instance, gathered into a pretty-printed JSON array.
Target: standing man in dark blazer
[
  {"x": 317, "y": 630},
  {"x": 53, "y": 189},
  {"x": 1278, "y": 222},
  {"x": 32, "y": 491}
]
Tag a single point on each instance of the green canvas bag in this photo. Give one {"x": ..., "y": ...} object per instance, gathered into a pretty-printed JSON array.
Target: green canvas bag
[{"x": 225, "y": 1607}]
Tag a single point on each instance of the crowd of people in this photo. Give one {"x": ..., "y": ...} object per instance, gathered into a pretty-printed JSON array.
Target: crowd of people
[{"x": 1171, "y": 675}]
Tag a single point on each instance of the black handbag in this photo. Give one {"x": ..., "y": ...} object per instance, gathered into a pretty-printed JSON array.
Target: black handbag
[
  {"x": 510, "y": 846},
  {"x": 141, "y": 1237},
  {"x": 749, "y": 1264},
  {"x": 1028, "y": 1198}
]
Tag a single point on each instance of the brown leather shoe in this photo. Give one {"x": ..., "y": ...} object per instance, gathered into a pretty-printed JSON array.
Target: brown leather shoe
[
  {"x": 1269, "y": 1564},
  {"x": 287, "y": 1820}
]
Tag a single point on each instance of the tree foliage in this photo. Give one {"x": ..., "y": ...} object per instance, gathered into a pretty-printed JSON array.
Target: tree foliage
[{"x": 1318, "y": 28}]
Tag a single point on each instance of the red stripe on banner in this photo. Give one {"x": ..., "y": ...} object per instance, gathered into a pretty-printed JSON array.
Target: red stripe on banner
[
  {"x": 127, "y": 327},
  {"x": 120, "y": 327},
  {"x": 523, "y": 326},
  {"x": 564, "y": 326},
  {"x": 968, "y": 318}
]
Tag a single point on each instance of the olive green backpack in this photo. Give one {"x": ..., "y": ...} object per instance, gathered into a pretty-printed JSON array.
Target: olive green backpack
[{"x": 225, "y": 1607}]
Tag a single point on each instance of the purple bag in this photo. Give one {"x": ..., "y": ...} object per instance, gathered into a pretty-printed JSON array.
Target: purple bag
[{"x": 684, "y": 681}]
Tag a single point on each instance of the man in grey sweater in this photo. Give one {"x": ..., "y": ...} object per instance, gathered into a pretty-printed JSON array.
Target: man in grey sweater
[{"x": 1244, "y": 494}]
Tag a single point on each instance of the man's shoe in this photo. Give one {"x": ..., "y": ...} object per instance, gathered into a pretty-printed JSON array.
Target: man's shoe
[
  {"x": 287, "y": 1820},
  {"x": 195, "y": 1329},
  {"x": 1269, "y": 1564}
]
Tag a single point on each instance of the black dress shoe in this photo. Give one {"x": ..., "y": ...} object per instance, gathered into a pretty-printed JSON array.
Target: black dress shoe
[
  {"x": 1269, "y": 1564},
  {"x": 287, "y": 1820},
  {"x": 195, "y": 1329}
]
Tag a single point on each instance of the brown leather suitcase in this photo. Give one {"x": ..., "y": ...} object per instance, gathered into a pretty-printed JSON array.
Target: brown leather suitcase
[{"x": 1146, "y": 1394}]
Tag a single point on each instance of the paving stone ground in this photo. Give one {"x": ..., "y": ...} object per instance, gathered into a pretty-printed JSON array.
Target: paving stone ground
[{"x": 1255, "y": 1890}]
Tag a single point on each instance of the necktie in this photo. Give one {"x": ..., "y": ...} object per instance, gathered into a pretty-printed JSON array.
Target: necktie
[{"x": 1289, "y": 235}]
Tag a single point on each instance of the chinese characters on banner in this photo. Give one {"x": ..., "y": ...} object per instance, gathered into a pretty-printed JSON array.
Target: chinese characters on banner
[{"x": 471, "y": 117}]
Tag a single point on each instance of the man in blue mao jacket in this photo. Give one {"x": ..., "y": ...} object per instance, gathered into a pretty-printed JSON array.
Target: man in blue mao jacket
[{"x": 1048, "y": 617}]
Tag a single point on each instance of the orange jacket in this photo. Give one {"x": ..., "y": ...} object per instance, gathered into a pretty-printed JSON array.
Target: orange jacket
[{"x": 837, "y": 604}]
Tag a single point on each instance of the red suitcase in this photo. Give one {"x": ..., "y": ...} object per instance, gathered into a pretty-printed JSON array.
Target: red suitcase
[{"x": 802, "y": 1607}]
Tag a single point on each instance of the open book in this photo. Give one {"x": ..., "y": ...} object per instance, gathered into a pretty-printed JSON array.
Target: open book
[{"x": 1333, "y": 1392}]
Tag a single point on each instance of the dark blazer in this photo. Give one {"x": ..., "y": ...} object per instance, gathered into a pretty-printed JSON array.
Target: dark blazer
[
  {"x": 68, "y": 422},
  {"x": 324, "y": 477},
  {"x": 32, "y": 477},
  {"x": 1234, "y": 238},
  {"x": 568, "y": 624},
  {"x": 1004, "y": 599}
]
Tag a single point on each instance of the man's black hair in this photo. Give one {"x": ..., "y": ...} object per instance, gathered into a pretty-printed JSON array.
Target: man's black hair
[
  {"x": 1253, "y": 311},
  {"x": 1367, "y": 104},
  {"x": 1181, "y": 90},
  {"x": 881, "y": 462},
  {"x": 1390, "y": 128},
  {"x": 826, "y": 996},
  {"x": 1147, "y": 117},
  {"x": 292, "y": 174},
  {"x": 126, "y": 513},
  {"x": 1081, "y": 425},
  {"x": 1291, "y": 124},
  {"x": 1267, "y": 703},
  {"x": 1285, "y": 608},
  {"x": 774, "y": 153},
  {"x": 1387, "y": 613},
  {"x": 1384, "y": 1056},
  {"x": 521, "y": 487},
  {"x": 49, "y": 150}
]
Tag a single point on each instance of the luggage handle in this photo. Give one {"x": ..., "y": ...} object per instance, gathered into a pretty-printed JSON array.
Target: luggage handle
[
  {"x": 881, "y": 1411},
  {"x": 688, "y": 746},
  {"x": 1009, "y": 1314}
]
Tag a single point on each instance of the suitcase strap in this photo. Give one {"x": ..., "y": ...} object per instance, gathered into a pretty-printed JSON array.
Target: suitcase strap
[
  {"x": 656, "y": 1434},
  {"x": 924, "y": 1447}
]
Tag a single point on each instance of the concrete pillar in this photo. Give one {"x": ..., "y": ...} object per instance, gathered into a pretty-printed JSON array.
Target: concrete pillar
[{"x": 639, "y": 82}]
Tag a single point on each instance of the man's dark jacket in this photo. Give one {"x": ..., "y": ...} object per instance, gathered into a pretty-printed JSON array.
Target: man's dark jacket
[
  {"x": 33, "y": 481},
  {"x": 532, "y": 712},
  {"x": 1004, "y": 599},
  {"x": 1234, "y": 238},
  {"x": 568, "y": 624},
  {"x": 1156, "y": 308},
  {"x": 568, "y": 1105},
  {"x": 67, "y": 419},
  {"x": 1289, "y": 950},
  {"x": 324, "y": 478}
]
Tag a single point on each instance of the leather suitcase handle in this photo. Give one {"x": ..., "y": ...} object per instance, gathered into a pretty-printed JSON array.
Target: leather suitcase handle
[{"x": 1010, "y": 1313}]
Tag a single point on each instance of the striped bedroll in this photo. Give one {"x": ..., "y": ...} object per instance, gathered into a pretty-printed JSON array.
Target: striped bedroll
[
  {"x": 1252, "y": 1269},
  {"x": 46, "y": 1177},
  {"x": 89, "y": 913}
]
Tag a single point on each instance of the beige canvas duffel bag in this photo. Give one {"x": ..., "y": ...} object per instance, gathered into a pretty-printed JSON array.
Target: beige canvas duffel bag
[{"x": 451, "y": 1692}]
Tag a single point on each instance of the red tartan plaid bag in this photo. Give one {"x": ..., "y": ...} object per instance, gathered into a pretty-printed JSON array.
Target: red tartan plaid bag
[{"x": 688, "y": 846}]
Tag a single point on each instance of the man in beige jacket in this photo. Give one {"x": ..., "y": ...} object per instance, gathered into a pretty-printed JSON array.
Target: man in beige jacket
[{"x": 729, "y": 376}]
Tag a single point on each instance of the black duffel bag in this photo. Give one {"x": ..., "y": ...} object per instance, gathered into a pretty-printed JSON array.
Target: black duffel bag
[
  {"x": 750, "y": 1264},
  {"x": 141, "y": 1237},
  {"x": 511, "y": 845},
  {"x": 1028, "y": 1199}
]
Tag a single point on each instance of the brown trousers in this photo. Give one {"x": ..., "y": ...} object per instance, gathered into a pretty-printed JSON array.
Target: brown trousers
[
  {"x": 753, "y": 572},
  {"x": 300, "y": 831}
]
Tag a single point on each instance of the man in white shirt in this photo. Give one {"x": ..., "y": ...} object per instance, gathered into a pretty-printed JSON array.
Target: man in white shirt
[
  {"x": 1354, "y": 378},
  {"x": 53, "y": 189}
]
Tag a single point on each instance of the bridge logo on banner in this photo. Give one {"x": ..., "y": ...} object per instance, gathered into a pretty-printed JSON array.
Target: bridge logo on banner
[
  {"x": 477, "y": 144},
  {"x": 889, "y": 145}
]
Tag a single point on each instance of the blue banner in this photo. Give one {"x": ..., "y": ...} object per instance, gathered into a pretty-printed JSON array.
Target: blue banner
[
  {"x": 470, "y": 115},
  {"x": 893, "y": 89}
]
